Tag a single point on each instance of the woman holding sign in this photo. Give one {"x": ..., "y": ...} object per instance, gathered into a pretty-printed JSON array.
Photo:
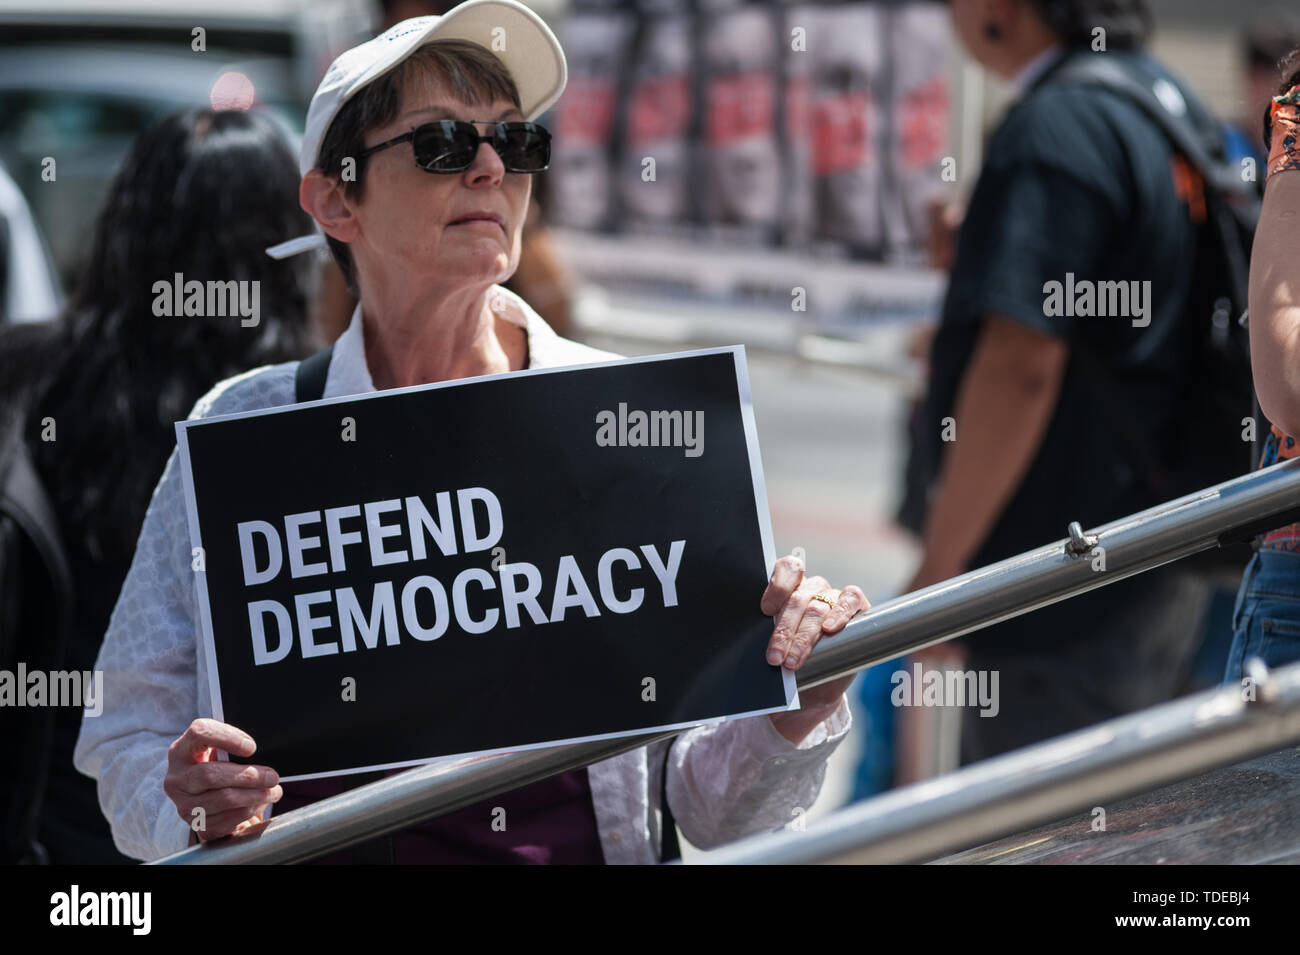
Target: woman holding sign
[{"x": 416, "y": 165}]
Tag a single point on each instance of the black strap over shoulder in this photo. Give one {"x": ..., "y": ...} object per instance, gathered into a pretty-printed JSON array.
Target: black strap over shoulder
[
  {"x": 1177, "y": 126},
  {"x": 309, "y": 379},
  {"x": 1232, "y": 209},
  {"x": 1228, "y": 193}
]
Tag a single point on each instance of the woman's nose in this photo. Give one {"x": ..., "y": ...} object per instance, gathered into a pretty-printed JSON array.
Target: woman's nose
[{"x": 487, "y": 164}]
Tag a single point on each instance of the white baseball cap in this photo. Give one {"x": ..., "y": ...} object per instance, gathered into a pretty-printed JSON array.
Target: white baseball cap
[{"x": 508, "y": 30}]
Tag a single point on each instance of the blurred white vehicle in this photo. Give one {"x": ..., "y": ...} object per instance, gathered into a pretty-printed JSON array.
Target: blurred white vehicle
[
  {"x": 29, "y": 289},
  {"x": 79, "y": 80}
]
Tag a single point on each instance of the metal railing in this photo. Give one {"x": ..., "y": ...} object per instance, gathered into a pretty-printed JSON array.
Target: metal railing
[
  {"x": 1047, "y": 781},
  {"x": 1229, "y": 512}
]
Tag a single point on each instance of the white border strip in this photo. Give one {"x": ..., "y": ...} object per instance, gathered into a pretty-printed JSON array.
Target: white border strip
[
  {"x": 481, "y": 754},
  {"x": 760, "y": 494},
  {"x": 200, "y": 576}
]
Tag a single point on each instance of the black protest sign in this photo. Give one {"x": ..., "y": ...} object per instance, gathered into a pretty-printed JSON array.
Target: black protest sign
[{"x": 485, "y": 565}]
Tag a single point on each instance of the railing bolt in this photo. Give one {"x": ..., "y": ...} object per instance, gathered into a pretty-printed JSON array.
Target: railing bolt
[{"x": 1079, "y": 543}]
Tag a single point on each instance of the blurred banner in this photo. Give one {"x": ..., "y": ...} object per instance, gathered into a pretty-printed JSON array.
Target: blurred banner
[
  {"x": 819, "y": 127},
  {"x": 719, "y": 151},
  {"x": 581, "y": 175}
]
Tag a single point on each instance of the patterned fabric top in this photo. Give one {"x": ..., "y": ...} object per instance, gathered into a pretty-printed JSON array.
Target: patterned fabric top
[
  {"x": 1280, "y": 447},
  {"x": 1284, "y": 131},
  {"x": 1284, "y": 153}
]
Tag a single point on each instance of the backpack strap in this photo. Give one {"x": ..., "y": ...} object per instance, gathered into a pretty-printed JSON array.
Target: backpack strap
[
  {"x": 1177, "y": 126},
  {"x": 1227, "y": 194},
  {"x": 1232, "y": 208},
  {"x": 309, "y": 379}
]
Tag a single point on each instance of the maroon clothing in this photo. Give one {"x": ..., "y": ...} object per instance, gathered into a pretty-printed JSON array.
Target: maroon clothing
[{"x": 550, "y": 822}]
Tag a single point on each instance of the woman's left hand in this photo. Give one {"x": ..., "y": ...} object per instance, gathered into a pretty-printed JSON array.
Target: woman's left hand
[{"x": 801, "y": 622}]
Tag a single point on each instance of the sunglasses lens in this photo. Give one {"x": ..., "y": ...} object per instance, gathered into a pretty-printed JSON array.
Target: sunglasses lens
[
  {"x": 450, "y": 146},
  {"x": 524, "y": 147},
  {"x": 445, "y": 146}
]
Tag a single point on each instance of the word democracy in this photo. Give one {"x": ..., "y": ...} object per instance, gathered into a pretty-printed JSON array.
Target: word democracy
[{"x": 399, "y": 531}]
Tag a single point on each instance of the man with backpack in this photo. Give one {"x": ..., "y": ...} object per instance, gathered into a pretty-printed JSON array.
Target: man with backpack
[{"x": 1043, "y": 411}]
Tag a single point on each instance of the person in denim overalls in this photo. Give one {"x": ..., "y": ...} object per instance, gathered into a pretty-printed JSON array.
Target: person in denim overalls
[{"x": 1266, "y": 619}]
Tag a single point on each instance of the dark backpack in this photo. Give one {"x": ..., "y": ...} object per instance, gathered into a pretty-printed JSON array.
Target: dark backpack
[
  {"x": 1219, "y": 391},
  {"x": 36, "y": 617}
]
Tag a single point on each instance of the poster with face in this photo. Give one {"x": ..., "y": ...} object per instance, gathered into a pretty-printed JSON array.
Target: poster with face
[
  {"x": 741, "y": 157},
  {"x": 797, "y": 211},
  {"x": 581, "y": 173},
  {"x": 845, "y": 65},
  {"x": 920, "y": 117},
  {"x": 653, "y": 182}
]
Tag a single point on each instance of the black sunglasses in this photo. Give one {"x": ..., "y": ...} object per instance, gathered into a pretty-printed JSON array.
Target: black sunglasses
[{"x": 450, "y": 145}]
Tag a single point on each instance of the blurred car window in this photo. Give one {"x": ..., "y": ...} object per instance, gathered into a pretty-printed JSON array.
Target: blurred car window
[{"x": 80, "y": 80}]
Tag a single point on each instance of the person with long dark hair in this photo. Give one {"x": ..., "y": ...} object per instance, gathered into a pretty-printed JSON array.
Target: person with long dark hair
[
  {"x": 96, "y": 393},
  {"x": 1266, "y": 619}
]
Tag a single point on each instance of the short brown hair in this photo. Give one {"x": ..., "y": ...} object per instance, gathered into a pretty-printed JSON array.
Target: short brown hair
[{"x": 470, "y": 71}]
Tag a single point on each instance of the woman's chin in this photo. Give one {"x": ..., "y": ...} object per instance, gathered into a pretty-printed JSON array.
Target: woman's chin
[{"x": 481, "y": 265}]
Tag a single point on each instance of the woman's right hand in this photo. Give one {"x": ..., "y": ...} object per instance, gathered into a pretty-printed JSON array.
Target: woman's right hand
[{"x": 230, "y": 795}]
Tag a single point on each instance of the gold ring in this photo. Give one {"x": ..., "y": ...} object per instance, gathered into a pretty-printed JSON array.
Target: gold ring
[{"x": 824, "y": 599}]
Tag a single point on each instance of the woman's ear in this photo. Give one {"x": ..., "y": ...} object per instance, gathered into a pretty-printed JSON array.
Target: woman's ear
[{"x": 321, "y": 197}]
